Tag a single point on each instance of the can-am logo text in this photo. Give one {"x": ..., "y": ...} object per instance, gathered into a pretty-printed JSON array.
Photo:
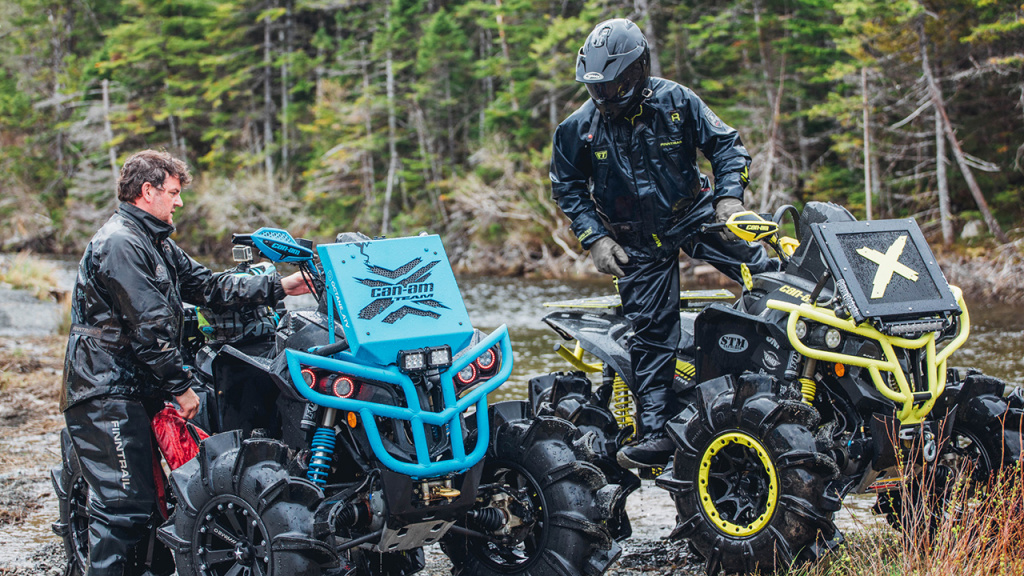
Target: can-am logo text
[
  {"x": 733, "y": 343},
  {"x": 383, "y": 291},
  {"x": 401, "y": 292}
]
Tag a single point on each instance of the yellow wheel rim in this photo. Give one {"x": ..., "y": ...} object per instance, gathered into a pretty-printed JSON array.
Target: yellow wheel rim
[{"x": 737, "y": 484}]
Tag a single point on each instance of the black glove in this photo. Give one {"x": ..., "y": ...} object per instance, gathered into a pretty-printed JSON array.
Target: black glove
[
  {"x": 607, "y": 255},
  {"x": 725, "y": 208}
]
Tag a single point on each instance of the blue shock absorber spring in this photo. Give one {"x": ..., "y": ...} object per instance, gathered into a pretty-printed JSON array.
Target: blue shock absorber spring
[{"x": 322, "y": 454}]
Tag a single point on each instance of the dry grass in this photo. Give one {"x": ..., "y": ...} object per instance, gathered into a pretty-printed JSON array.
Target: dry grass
[
  {"x": 25, "y": 272},
  {"x": 977, "y": 531}
]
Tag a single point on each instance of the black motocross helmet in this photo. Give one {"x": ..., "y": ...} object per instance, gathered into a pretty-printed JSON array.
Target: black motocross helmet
[{"x": 614, "y": 63}]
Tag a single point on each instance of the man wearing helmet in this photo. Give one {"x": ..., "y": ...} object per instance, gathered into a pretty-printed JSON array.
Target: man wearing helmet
[{"x": 624, "y": 170}]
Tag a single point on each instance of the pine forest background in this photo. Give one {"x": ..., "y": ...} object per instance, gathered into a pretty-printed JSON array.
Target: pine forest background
[{"x": 396, "y": 116}]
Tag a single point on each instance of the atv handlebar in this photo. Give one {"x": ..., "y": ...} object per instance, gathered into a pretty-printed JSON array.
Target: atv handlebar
[
  {"x": 711, "y": 228},
  {"x": 752, "y": 227}
]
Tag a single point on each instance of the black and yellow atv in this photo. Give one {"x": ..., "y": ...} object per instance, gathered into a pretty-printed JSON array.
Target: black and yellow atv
[{"x": 825, "y": 379}]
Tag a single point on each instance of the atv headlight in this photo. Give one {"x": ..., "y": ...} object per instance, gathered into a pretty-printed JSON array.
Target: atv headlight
[
  {"x": 439, "y": 357},
  {"x": 833, "y": 338},
  {"x": 412, "y": 360},
  {"x": 435, "y": 357},
  {"x": 800, "y": 329}
]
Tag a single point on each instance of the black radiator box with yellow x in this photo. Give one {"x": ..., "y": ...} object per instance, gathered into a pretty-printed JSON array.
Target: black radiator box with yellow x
[{"x": 884, "y": 270}]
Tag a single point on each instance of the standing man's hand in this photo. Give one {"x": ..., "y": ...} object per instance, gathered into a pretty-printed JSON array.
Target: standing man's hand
[
  {"x": 295, "y": 284},
  {"x": 724, "y": 209},
  {"x": 189, "y": 402},
  {"x": 608, "y": 255}
]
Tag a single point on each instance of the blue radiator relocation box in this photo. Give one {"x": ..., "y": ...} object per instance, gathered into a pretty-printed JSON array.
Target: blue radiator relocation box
[{"x": 395, "y": 294}]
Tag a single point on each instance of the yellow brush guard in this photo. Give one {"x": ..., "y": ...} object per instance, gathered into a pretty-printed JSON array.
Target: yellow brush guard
[{"x": 903, "y": 396}]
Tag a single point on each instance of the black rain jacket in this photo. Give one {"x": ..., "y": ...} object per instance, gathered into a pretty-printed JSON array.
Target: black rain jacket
[
  {"x": 636, "y": 178},
  {"x": 133, "y": 278}
]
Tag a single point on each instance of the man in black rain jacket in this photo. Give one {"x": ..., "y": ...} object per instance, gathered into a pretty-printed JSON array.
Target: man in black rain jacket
[
  {"x": 124, "y": 360},
  {"x": 624, "y": 170}
]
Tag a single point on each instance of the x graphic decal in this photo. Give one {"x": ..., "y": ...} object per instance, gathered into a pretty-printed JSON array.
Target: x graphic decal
[{"x": 888, "y": 264}]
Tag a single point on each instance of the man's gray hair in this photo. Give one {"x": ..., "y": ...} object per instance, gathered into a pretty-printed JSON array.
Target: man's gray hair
[{"x": 151, "y": 166}]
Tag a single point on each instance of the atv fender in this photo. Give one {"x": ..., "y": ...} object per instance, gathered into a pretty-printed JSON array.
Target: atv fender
[
  {"x": 276, "y": 368},
  {"x": 603, "y": 335}
]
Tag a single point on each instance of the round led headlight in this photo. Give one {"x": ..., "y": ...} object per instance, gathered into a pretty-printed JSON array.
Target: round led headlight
[
  {"x": 343, "y": 387},
  {"x": 832, "y": 338},
  {"x": 467, "y": 374},
  {"x": 800, "y": 329},
  {"x": 486, "y": 360}
]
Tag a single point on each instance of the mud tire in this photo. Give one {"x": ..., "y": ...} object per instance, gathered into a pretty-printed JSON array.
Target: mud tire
[
  {"x": 72, "y": 525},
  {"x": 745, "y": 515},
  {"x": 242, "y": 490},
  {"x": 985, "y": 438},
  {"x": 570, "y": 496}
]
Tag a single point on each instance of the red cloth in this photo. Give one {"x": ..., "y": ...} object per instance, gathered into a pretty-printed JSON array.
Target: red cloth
[{"x": 173, "y": 437}]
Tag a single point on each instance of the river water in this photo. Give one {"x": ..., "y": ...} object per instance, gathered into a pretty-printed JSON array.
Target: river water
[{"x": 996, "y": 343}]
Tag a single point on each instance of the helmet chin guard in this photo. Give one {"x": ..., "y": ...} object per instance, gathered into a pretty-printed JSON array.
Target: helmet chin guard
[{"x": 615, "y": 64}]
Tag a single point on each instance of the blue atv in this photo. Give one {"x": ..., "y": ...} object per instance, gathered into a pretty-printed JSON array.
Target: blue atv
[{"x": 391, "y": 444}]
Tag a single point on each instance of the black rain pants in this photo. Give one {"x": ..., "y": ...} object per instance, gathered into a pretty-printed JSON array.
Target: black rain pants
[
  {"x": 113, "y": 440},
  {"x": 650, "y": 301}
]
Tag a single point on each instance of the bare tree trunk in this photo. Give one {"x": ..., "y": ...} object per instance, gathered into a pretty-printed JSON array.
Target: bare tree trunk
[
  {"x": 773, "y": 105},
  {"x": 108, "y": 132},
  {"x": 884, "y": 203},
  {"x": 392, "y": 135},
  {"x": 553, "y": 119},
  {"x": 801, "y": 126},
  {"x": 284, "y": 38},
  {"x": 773, "y": 142},
  {"x": 940, "y": 177},
  {"x": 647, "y": 18},
  {"x": 428, "y": 154},
  {"x": 762, "y": 47},
  {"x": 506, "y": 55},
  {"x": 488, "y": 83},
  {"x": 369, "y": 177},
  {"x": 449, "y": 124},
  {"x": 57, "y": 42},
  {"x": 965, "y": 169},
  {"x": 268, "y": 108},
  {"x": 867, "y": 140},
  {"x": 172, "y": 125}
]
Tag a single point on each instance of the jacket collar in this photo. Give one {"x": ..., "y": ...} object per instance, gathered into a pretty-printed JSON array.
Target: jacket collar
[{"x": 157, "y": 229}]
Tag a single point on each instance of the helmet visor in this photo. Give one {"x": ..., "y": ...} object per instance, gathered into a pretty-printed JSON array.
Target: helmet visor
[{"x": 621, "y": 89}]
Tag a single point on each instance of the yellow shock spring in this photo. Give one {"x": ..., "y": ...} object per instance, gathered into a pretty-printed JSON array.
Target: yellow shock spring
[
  {"x": 809, "y": 388},
  {"x": 621, "y": 404}
]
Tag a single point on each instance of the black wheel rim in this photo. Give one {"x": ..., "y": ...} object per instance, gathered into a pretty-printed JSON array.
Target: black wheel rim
[
  {"x": 515, "y": 557},
  {"x": 965, "y": 453},
  {"x": 231, "y": 540},
  {"x": 78, "y": 520},
  {"x": 737, "y": 484}
]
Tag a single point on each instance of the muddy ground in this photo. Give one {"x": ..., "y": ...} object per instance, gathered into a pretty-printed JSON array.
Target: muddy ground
[
  {"x": 30, "y": 369},
  {"x": 29, "y": 447}
]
